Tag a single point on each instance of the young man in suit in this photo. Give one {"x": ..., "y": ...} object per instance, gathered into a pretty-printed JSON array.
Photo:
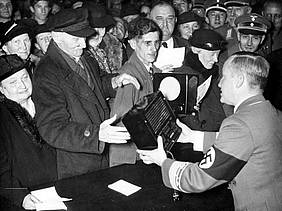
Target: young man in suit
[{"x": 248, "y": 147}]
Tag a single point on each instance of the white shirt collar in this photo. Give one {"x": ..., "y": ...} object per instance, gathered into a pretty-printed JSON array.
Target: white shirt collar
[{"x": 169, "y": 43}]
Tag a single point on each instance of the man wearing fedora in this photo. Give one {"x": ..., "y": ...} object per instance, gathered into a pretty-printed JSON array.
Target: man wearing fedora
[{"x": 69, "y": 95}]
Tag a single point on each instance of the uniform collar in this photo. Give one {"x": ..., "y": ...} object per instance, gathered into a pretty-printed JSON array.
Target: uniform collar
[{"x": 249, "y": 101}]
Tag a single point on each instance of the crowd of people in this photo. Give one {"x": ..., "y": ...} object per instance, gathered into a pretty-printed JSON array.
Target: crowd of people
[{"x": 70, "y": 70}]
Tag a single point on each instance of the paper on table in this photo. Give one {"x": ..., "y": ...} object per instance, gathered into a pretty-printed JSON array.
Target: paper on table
[
  {"x": 170, "y": 56},
  {"x": 124, "y": 187},
  {"x": 50, "y": 200}
]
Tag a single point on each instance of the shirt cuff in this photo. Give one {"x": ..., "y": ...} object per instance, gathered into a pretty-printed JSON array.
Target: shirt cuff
[{"x": 198, "y": 140}]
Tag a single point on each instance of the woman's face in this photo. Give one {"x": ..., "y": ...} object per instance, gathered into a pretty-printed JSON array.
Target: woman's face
[
  {"x": 17, "y": 87},
  {"x": 95, "y": 41},
  {"x": 186, "y": 29}
]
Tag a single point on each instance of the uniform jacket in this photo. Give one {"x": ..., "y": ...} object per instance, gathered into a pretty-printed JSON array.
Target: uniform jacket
[
  {"x": 26, "y": 160},
  {"x": 126, "y": 97},
  {"x": 69, "y": 112},
  {"x": 246, "y": 153}
]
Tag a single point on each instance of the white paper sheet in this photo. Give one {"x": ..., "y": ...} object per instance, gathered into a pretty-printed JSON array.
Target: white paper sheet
[
  {"x": 124, "y": 187},
  {"x": 202, "y": 89},
  {"x": 170, "y": 56},
  {"x": 50, "y": 200}
]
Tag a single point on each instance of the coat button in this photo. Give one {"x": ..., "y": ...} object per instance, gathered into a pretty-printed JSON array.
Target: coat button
[{"x": 86, "y": 133}]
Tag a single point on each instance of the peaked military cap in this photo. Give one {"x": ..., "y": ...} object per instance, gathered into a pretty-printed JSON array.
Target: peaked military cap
[
  {"x": 215, "y": 5},
  {"x": 207, "y": 39},
  {"x": 237, "y": 3},
  {"x": 252, "y": 24},
  {"x": 10, "y": 64},
  {"x": 71, "y": 21},
  {"x": 198, "y": 4}
]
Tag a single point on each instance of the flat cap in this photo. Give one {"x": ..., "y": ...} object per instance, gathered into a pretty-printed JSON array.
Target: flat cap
[
  {"x": 187, "y": 17},
  {"x": 237, "y": 3},
  {"x": 207, "y": 39},
  {"x": 71, "y": 21},
  {"x": 10, "y": 64},
  {"x": 252, "y": 24},
  {"x": 215, "y": 5}
]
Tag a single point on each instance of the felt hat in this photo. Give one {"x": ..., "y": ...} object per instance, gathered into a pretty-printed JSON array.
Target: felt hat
[
  {"x": 187, "y": 17},
  {"x": 71, "y": 21},
  {"x": 10, "y": 64},
  {"x": 13, "y": 29},
  {"x": 207, "y": 39},
  {"x": 98, "y": 16}
]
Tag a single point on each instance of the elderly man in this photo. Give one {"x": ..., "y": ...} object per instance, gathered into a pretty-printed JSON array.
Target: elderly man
[
  {"x": 144, "y": 38},
  {"x": 69, "y": 94},
  {"x": 247, "y": 150}
]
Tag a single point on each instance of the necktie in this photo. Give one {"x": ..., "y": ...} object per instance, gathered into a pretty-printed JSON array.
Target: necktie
[
  {"x": 164, "y": 44},
  {"x": 151, "y": 71}
]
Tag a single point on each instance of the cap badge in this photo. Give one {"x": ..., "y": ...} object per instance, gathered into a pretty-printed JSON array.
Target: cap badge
[{"x": 253, "y": 17}]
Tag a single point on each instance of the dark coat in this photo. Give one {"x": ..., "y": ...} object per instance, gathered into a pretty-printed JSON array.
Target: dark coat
[
  {"x": 69, "y": 112},
  {"x": 211, "y": 113},
  {"x": 273, "y": 89},
  {"x": 25, "y": 159}
]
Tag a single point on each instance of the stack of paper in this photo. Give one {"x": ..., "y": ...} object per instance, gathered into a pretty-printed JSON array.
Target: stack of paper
[{"x": 50, "y": 200}]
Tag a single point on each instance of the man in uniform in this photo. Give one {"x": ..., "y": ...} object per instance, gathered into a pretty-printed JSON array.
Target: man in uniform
[
  {"x": 69, "y": 95},
  {"x": 215, "y": 13},
  {"x": 235, "y": 8},
  {"x": 247, "y": 150},
  {"x": 251, "y": 32}
]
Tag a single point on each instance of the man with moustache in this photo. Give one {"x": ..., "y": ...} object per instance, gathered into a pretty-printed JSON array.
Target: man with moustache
[{"x": 70, "y": 94}]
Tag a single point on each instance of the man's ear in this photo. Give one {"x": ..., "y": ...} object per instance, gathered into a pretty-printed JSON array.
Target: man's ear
[
  {"x": 37, "y": 46},
  {"x": 207, "y": 20},
  {"x": 132, "y": 43},
  {"x": 262, "y": 39},
  {"x": 5, "y": 49},
  {"x": 31, "y": 9},
  {"x": 195, "y": 50},
  {"x": 240, "y": 78},
  {"x": 248, "y": 10},
  {"x": 1, "y": 89}
]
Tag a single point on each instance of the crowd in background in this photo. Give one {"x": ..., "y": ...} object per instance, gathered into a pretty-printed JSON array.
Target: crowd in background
[{"x": 83, "y": 64}]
